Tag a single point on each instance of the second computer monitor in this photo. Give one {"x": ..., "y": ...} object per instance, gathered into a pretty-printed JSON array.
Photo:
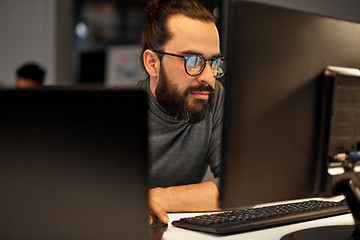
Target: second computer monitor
[{"x": 276, "y": 60}]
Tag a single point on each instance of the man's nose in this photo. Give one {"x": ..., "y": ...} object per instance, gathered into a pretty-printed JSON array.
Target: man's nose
[{"x": 207, "y": 75}]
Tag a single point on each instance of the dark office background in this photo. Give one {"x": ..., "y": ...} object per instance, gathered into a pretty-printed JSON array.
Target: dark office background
[
  {"x": 117, "y": 22},
  {"x": 100, "y": 24},
  {"x": 70, "y": 37}
]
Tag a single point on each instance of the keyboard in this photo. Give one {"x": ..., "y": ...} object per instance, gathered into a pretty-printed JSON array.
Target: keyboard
[{"x": 248, "y": 219}]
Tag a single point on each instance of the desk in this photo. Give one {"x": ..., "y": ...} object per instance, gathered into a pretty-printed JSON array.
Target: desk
[{"x": 175, "y": 233}]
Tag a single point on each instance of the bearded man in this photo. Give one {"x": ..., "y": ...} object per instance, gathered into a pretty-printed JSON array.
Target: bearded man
[{"x": 181, "y": 54}]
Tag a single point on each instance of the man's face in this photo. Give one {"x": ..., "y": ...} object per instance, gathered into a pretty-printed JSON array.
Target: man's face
[
  {"x": 187, "y": 98},
  {"x": 25, "y": 82},
  {"x": 177, "y": 103}
]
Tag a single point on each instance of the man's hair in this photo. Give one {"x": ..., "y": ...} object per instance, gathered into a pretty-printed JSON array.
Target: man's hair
[
  {"x": 155, "y": 33},
  {"x": 31, "y": 71}
]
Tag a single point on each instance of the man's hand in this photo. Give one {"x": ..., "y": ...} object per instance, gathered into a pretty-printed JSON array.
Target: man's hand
[
  {"x": 157, "y": 210},
  {"x": 199, "y": 197}
]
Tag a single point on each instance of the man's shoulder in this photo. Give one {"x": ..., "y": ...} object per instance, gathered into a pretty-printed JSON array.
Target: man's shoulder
[
  {"x": 136, "y": 84},
  {"x": 218, "y": 109},
  {"x": 219, "y": 86},
  {"x": 141, "y": 84},
  {"x": 219, "y": 91}
]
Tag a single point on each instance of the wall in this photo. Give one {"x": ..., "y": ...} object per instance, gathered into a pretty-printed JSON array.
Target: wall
[
  {"x": 29, "y": 31},
  {"x": 63, "y": 42}
]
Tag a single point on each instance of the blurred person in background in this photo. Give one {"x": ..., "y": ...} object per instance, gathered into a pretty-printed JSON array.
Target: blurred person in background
[{"x": 29, "y": 75}]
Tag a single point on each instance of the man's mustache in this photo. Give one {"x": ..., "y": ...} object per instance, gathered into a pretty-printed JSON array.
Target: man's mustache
[{"x": 202, "y": 87}]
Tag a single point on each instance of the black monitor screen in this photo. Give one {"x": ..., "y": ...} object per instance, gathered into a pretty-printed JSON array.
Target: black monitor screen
[{"x": 276, "y": 60}]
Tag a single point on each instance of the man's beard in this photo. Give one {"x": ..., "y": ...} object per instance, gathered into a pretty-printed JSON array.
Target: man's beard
[{"x": 177, "y": 105}]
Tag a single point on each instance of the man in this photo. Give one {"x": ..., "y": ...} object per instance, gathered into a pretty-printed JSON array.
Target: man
[
  {"x": 181, "y": 54},
  {"x": 29, "y": 75}
]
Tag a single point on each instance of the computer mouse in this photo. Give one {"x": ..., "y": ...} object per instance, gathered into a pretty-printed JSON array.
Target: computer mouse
[
  {"x": 157, "y": 227},
  {"x": 157, "y": 223}
]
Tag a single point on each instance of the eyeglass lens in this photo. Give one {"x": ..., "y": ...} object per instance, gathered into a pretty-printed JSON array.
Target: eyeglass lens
[{"x": 195, "y": 65}]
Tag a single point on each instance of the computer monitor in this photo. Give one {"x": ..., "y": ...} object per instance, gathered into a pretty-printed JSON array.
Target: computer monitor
[
  {"x": 277, "y": 57},
  {"x": 73, "y": 164},
  {"x": 339, "y": 142}
]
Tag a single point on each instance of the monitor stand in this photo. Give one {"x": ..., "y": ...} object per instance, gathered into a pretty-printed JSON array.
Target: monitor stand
[{"x": 341, "y": 232}]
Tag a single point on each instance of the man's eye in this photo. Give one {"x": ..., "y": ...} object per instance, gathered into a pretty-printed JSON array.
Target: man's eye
[{"x": 193, "y": 61}]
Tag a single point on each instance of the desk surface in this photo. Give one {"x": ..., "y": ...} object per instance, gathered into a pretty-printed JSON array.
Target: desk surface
[{"x": 175, "y": 233}]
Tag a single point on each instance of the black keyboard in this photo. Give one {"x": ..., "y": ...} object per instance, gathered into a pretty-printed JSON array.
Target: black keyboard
[{"x": 247, "y": 219}]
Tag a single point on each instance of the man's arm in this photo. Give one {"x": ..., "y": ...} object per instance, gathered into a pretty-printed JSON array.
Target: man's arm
[{"x": 187, "y": 198}]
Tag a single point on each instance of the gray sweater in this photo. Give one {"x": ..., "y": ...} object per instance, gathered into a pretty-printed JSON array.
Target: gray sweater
[{"x": 181, "y": 152}]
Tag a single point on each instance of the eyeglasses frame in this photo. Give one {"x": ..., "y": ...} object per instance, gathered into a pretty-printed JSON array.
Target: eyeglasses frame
[{"x": 211, "y": 60}]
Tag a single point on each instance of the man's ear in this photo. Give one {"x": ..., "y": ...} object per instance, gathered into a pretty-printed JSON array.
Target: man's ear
[{"x": 151, "y": 63}]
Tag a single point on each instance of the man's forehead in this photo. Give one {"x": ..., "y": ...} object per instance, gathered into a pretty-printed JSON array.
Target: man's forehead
[
  {"x": 179, "y": 22},
  {"x": 192, "y": 36}
]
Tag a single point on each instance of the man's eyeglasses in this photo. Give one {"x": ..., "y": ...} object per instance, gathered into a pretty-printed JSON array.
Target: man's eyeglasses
[{"x": 195, "y": 64}]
